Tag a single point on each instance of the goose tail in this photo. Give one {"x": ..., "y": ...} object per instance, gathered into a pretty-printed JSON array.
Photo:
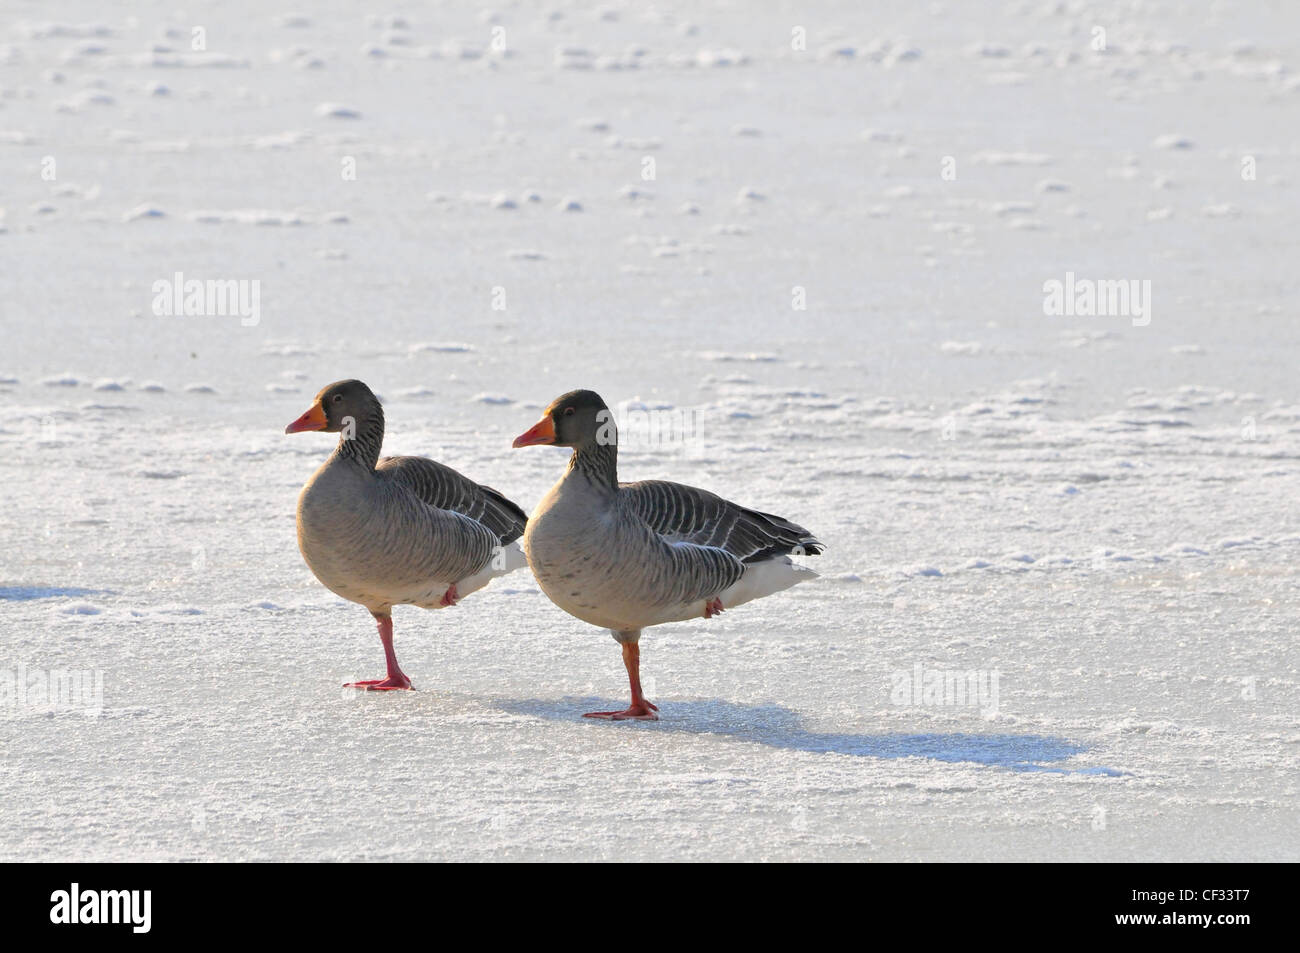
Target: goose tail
[
  {"x": 765, "y": 578},
  {"x": 505, "y": 559}
]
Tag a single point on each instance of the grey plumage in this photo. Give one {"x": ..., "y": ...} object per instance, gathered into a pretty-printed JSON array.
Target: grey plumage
[
  {"x": 685, "y": 513},
  {"x": 442, "y": 487},
  {"x": 629, "y": 555},
  {"x": 383, "y": 532}
]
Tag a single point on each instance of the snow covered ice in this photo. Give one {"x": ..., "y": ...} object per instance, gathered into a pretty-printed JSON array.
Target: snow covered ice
[{"x": 823, "y": 232}]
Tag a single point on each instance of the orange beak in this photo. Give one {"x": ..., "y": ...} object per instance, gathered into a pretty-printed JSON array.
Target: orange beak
[
  {"x": 313, "y": 419},
  {"x": 542, "y": 432}
]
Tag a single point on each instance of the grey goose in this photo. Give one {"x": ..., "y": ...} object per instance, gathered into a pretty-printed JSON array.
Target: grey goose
[
  {"x": 625, "y": 556},
  {"x": 396, "y": 530}
]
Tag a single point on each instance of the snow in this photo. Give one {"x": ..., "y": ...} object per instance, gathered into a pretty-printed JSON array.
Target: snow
[{"x": 1100, "y": 513}]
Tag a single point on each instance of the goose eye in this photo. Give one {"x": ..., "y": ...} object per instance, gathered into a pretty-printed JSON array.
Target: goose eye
[
  {"x": 338, "y": 398},
  {"x": 568, "y": 411}
]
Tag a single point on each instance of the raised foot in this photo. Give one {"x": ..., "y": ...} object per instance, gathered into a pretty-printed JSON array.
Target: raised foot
[
  {"x": 390, "y": 684},
  {"x": 643, "y": 712},
  {"x": 712, "y": 607},
  {"x": 450, "y": 597}
]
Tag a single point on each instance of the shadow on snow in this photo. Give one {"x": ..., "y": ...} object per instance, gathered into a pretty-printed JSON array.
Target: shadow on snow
[
  {"x": 779, "y": 727},
  {"x": 26, "y": 593}
]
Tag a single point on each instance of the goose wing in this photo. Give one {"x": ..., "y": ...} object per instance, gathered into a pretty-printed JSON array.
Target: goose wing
[
  {"x": 443, "y": 488},
  {"x": 687, "y": 514}
]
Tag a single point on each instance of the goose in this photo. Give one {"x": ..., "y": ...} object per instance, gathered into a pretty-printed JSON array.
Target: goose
[
  {"x": 626, "y": 556},
  {"x": 397, "y": 530}
]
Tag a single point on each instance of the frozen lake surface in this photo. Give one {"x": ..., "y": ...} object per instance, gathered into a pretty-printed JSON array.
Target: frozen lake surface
[{"x": 818, "y": 235}]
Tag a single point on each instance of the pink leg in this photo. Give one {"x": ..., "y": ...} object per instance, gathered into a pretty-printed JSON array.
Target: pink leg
[
  {"x": 640, "y": 709},
  {"x": 712, "y": 607},
  {"x": 396, "y": 677},
  {"x": 451, "y": 596}
]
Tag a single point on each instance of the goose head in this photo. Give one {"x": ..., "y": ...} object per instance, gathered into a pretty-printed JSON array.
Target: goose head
[
  {"x": 578, "y": 419},
  {"x": 341, "y": 405}
]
